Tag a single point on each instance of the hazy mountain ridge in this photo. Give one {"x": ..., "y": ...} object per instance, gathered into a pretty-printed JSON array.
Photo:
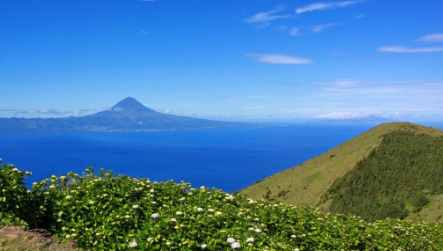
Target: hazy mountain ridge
[
  {"x": 308, "y": 182},
  {"x": 126, "y": 115}
]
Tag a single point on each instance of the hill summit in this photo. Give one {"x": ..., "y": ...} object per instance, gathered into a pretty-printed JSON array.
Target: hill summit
[
  {"x": 393, "y": 170},
  {"x": 130, "y": 105}
]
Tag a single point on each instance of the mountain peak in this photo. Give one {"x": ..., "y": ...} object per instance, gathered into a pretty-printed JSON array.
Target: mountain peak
[{"x": 130, "y": 105}]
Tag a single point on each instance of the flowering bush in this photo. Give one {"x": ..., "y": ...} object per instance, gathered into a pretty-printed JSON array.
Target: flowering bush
[
  {"x": 103, "y": 212},
  {"x": 14, "y": 197}
]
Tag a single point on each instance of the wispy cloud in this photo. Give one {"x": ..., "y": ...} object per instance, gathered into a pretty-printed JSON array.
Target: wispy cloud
[
  {"x": 55, "y": 112},
  {"x": 255, "y": 97},
  {"x": 405, "y": 49},
  {"x": 320, "y": 28},
  {"x": 254, "y": 108},
  {"x": 190, "y": 114},
  {"x": 294, "y": 32},
  {"x": 279, "y": 59},
  {"x": 264, "y": 18},
  {"x": 360, "y": 16},
  {"x": 437, "y": 37},
  {"x": 344, "y": 115},
  {"x": 325, "y": 6}
]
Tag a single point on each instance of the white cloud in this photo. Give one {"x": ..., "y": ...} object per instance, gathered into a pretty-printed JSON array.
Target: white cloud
[
  {"x": 264, "y": 18},
  {"x": 254, "y": 108},
  {"x": 190, "y": 114},
  {"x": 255, "y": 97},
  {"x": 294, "y": 32},
  {"x": 279, "y": 59},
  {"x": 360, "y": 16},
  {"x": 405, "y": 49},
  {"x": 320, "y": 28},
  {"x": 345, "y": 115},
  {"x": 324, "y": 6},
  {"x": 57, "y": 113},
  {"x": 437, "y": 37}
]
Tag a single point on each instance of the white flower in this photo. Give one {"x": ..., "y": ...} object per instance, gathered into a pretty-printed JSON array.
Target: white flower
[
  {"x": 296, "y": 249},
  {"x": 210, "y": 210},
  {"x": 155, "y": 216},
  {"x": 202, "y": 188},
  {"x": 127, "y": 216},
  {"x": 62, "y": 177},
  {"x": 133, "y": 244},
  {"x": 203, "y": 246},
  {"x": 257, "y": 230},
  {"x": 149, "y": 239},
  {"x": 173, "y": 219},
  {"x": 135, "y": 206},
  {"x": 218, "y": 213},
  {"x": 52, "y": 186},
  {"x": 250, "y": 240},
  {"x": 68, "y": 197},
  {"x": 235, "y": 245},
  {"x": 152, "y": 190},
  {"x": 200, "y": 209},
  {"x": 178, "y": 213},
  {"x": 293, "y": 236},
  {"x": 230, "y": 240}
]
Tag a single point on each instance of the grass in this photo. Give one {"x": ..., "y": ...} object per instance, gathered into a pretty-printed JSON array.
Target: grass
[
  {"x": 308, "y": 181},
  {"x": 432, "y": 212},
  {"x": 14, "y": 238}
]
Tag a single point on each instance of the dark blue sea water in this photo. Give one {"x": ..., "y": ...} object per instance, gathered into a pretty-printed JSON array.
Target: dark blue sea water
[{"x": 225, "y": 159}]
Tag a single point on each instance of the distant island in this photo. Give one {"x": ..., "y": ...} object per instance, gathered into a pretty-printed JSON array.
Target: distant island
[{"x": 128, "y": 115}]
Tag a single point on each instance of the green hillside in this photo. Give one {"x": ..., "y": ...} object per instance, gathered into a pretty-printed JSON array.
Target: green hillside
[
  {"x": 394, "y": 180},
  {"x": 308, "y": 182}
]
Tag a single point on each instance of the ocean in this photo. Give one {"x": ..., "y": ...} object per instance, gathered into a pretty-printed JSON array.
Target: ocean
[{"x": 225, "y": 159}]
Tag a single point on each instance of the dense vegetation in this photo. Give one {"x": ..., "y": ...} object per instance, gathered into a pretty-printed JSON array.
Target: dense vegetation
[
  {"x": 394, "y": 180},
  {"x": 103, "y": 212},
  {"x": 308, "y": 182}
]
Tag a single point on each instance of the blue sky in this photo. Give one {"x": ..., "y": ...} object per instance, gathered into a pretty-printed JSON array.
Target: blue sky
[{"x": 223, "y": 59}]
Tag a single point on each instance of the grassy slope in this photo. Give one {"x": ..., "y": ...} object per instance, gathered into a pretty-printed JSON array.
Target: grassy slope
[{"x": 305, "y": 183}]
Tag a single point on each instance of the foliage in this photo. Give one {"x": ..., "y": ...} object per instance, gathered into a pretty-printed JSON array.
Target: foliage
[
  {"x": 14, "y": 197},
  {"x": 103, "y": 212},
  {"x": 394, "y": 180},
  {"x": 308, "y": 181}
]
